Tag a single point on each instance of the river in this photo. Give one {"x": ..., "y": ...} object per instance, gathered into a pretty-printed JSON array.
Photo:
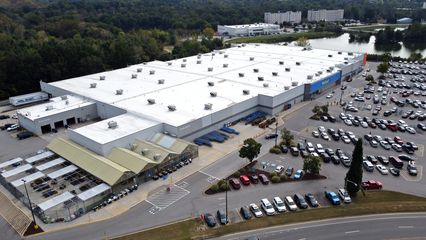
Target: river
[{"x": 341, "y": 43}]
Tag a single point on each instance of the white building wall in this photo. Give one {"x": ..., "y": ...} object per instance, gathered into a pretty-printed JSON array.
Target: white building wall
[
  {"x": 281, "y": 17},
  {"x": 325, "y": 15}
]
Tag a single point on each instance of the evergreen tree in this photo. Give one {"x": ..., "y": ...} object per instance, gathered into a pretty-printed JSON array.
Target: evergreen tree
[{"x": 353, "y": 178}]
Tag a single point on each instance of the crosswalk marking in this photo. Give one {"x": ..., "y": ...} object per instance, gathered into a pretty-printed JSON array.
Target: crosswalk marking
[{"x": 163, "y": 198}]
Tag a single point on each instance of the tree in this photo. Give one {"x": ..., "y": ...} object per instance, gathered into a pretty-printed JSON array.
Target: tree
[
  {"x": 369, "y": 78},
  {"x": 316, "y": 110},
  {"x": 250, "y": 149},
  {"x": 287, "y": 137},
  {"x": 312, "y": 165},
  {"x": 383, "y": 67},
  {"x": 208, "y": 32},
  {"x": 324, "y": 109},
  {"x": 302, "y": 42},
  {"x": 353, "y": 178}
]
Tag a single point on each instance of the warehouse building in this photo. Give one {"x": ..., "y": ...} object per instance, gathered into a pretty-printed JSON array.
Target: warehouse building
[
  {"x": 248, "y": 29},
  {"x": 132, "y": 107}
]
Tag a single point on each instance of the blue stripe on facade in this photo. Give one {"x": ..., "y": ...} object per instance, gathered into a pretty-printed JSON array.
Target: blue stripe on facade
[{"x": 325, "y": 82}]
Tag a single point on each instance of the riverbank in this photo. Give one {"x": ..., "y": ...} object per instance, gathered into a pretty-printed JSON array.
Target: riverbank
[{"x": 286, "y": 37}]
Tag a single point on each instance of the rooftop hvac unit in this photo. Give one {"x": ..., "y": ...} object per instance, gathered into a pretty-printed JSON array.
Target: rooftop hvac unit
[
  {"x": 251, "y": 58},
  {"x": 294, "y": 84},
  {"x": 331, "y": 68},
  {"x": 257, "y": 44},
  {"x": 317, "y": 74},
  {"x": 67, "y": 102},
  {"x": 298, "y": 63},
  {"x": 199, "y": 57},
  {"x": 213, "y": 94},
  {"x": 139, "y": 70},
  {"x": 134, "y": 76},
  {"x": 171, "y": 108},
  {"x": 320, "y": 72},
  {"x": 256, "y": 70},
  {"x": 198, "y": 61},
  {"x": 183, "y": 60},
  {"x": 329, "y": 55},
  {"x": 169, "y": 63},
  {"x": 144, "y": 63},
  {"x": 275, "y": 74},
  {"x": 287, "y": 69},
  {"x": 208, "y": 106},
  {"x": 286, "y": 87},
  {"x": 221, "y": 52},
  {"x": 119, "y": 92},
  {"x": 241, "y": 74},
  {"x": 339, "y": 52},
  {"x": 243, "y": 44},
  {"x": 93, "y": 85},
  {"x": 328, "y": 70},
  {"x": 145, "y": 151},
  {"x": 49, "y": 107},
  {"x": 102, "y": 77},
  {"x": 225, "y": 65},
  {"x": 260, "y": 78},
  {"x": 265, "y": 85},
  {"x": 345, "y": 62},
  {"x": 281, "y": 62},
  {"x": 65, "y": 97},
  {"x": 151, "y": 101},
  {"x": 183, "y": 65},
  {"x": 160, "y": 81},
  {"x": 310, "y": 77},
  {"x": 133, "y": 146},
  {"x": 211, "y": 84},
  {"x": 112, "y": 124},
  {"x": 225, "y": 56},
  {"x": 151, "y": 72},
  {"x": 350, "y": 53},
  {"x": 157, "y": 156},
  {"x": 213, "y": 54},
  {"x": 346, "y": 58},
  {"x": 210, "y": 69},
  {"x": 246, "y": 92}
]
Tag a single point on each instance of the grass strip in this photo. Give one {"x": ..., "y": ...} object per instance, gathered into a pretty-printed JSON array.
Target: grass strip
[
  {"x": 287, "y": 37},
  {"x": 373, "y": 203}
]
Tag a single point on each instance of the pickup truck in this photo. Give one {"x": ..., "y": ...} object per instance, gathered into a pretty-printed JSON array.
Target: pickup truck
[{"x": 371, "y": 184}]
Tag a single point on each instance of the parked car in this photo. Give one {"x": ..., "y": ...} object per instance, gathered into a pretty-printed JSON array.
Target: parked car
[
  {"x": 279, "y": 204},
  {"x": 271, "y": 136},
  {"x": 344, "y": 195},
  {"x": 234, "y": 183},
  {"x": 254, "y": 178},
  {"x": 294, "y": 151},
  {"x": 411, "y": 168},
  {"x": 382, "y": 169},
  {"x": 221, "y": 215},
  {"x": 24, "y": 135},
  {"x": 405, "y": 157},
  {"x": 332, "y": 197},
  {"x": 384, "y": 160},
  {"x": 371, "y": 185},
  {"x": 263, "y": 178},
  {"x": 298, "y": 175},
  {"x": 289, "y": 171},
  {"x": 300, "y": 201},
  {"x": 211, "y": 222},
  {"x": 396, "y": 162},
  {"x": 245, "y": 213},
  {"x": 290, "y": 203},
  {"x": 245, "y": 180},
  {"x": 255, "y": 210},
  {"x": 284, "y": 149},
  {"x": 394, "y": 171},
  {"x": 13, "y": 127},
  {"x": 279, "y": 169},
  {"x": 311, "y": 200}
]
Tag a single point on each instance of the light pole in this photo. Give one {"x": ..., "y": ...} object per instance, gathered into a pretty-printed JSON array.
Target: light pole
[
  {"x": 226, "y": 201},
  {"x": 29, "y": 201},
  {"x": 276, "y": 131}
]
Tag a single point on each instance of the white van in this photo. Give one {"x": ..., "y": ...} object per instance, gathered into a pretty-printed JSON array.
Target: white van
[
  {"x": 290, "y": 203},
  {"x": 368, "y": 165},
  {"x": 267, "y": 207}
]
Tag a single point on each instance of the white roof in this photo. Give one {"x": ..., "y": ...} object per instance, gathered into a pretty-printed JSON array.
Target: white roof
[
  {"x": 50, "y": 164},
  {"x": 39, "y": 157},
  {"x": 54, "y": 106},
  {"x": 27, "y": 179},
  {"x": 93, "y": 191},
  {"x": 55, "y": 201},
  {"x": 62, "y": 171},
  {"x": 10, "y": 162},
  {"x": 254, "y": 25},
  {"x": 17, "y": 170}
]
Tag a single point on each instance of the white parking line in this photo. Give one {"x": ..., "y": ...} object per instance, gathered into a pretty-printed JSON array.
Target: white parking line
[
  {"x": 354, "y": 231},
  {"x": 405, "y": 227},
  {"x": 163, "y": 198},
  {"x": 208, "y": 174}
]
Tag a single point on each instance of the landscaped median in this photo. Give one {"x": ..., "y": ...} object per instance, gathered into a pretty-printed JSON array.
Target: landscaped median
[
  {"x": 286, "y": 37},
  {"x": 374, "y": 202}
]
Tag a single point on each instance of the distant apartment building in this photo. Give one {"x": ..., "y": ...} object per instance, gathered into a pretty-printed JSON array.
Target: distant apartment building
[
  {"x": 248, "y": 29},
  {"x": 424, "y": 5},
  {"x": 282, "y": 17},
  {"x": 325, "y": 15}
]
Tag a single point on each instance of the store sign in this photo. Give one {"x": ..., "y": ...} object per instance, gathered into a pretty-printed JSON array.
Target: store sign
[{"x": 324, "y": 82}]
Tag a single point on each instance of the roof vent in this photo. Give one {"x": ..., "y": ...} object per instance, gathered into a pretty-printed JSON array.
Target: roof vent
[
  {"x": 339, "y": 52},
  {"x": 225, "y": 56},
  {"x": 145, "y": 151},
  {"x": 210, "y": 69},
  {"x": 246, "y": 92},
  {"x": 151, "y": 72},
  {"x": 241, "y": 74},
  {"x": 251, "y": 58},
  {"x": 65, "y": 97},
  {"x": 160, "y": 81},
  {"x": 211, "y": 84},
  {"x": 294, "y": 84},
  {"x": 49, "y": 107},
  {"x": 134, "y": 76},
  {"x": 310, "y": 77},
  {"x": 199, "y": 57},
  {"x": 317, "y": 74},
  {"x": 221, "y": 52},
  {"x": 151, "y": 101},
  {"x": 260, "y": 78},
  {"x": 183, "y": 60},
  {"x": 225, "y": 65},
  {"x": 329, "y": 55},
  {"x": 139, "y": 70},
  {"x": 171, "y": 108},
  {"x": 298, "y": 63},
  {"x": 345, "y": 62},
  {"x": 256, "y": 70},
  {"x": 320, "y": 72},
  {"x": 112, "y": 124},
  {"x": 243, "y": 44},
  {"x": 328, "y": 70},
  {"x": 346, "y": 58},
  {"x": 213, "y": 94},
  {"x": 183, "y": 65},
  {"x": 350, "y": 53},
  {"x": 157, "y": 156},
  {"x": 286, "y": 87},
  {"x": 102, "y": 77},
  {"x": 119, "y": 92},
  {"x": 281, "y": 62},
  {"x": 144, "y": 63},
  {"x": 287, "y": 69},
  {"x": 93, "y": 85},
  {"x": 266, "y": 85},
  {"x": 208, "y": 106},
  {"x": 169, "y": 63},
  {"x": 213, "y": 54},
  {"x": 274, "y": 73},
  {"x": 331, "y": 68},
  {"x": 133, "y": 146},
  {"x": 198, "y": 61}
]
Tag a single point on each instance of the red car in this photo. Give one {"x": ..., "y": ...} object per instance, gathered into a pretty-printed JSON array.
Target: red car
[
  {"x": 263, "y": 178},
  {"x": 245, "y": 180},
  {"x": 234, "y": 183},
  {"x": 393, "y": 127},
  {"x": 398, "y": 140},
  {"x": 371, "y": 184}
]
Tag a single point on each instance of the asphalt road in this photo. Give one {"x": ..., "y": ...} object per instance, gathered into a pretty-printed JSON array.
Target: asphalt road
[{"x": 395, "y": 226}]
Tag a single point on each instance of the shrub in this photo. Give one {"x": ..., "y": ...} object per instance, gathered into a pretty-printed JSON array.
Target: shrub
[
  {"x": 273, "y": 174},
  {"x": 222, "y": 181},
  {"x": 283, "y": 178},
  {"x": 236, "y": 174},
  {"x": 275, "y": 179},
  {"x": 214, "y": 188},
  {"x": 224, "y": 187},
  {"x": 275, "y": 150}
]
